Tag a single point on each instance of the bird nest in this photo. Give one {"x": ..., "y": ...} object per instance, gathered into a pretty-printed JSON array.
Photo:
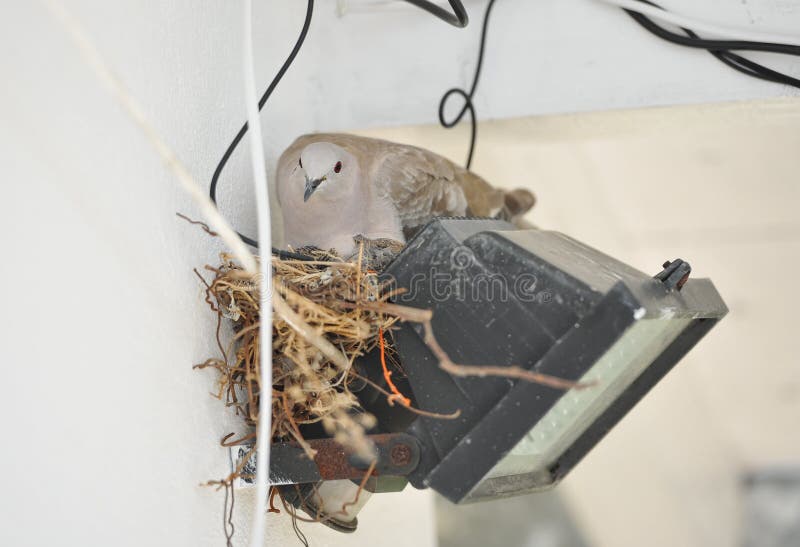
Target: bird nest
[{"x": 327, "y": 312}]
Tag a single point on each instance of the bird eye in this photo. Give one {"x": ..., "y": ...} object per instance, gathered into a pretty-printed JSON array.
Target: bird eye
[
  {"x": 300, "y": 162},
  {"x": 337, "y": 167}
]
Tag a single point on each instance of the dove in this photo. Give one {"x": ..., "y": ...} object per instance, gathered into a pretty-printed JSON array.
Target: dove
[{"x": 337, "y": 189}]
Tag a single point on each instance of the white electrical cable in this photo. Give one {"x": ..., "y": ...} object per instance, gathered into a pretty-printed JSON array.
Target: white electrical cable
[
  {"x": 702, "y": 26},
  {"x": 265, "y": 269}
]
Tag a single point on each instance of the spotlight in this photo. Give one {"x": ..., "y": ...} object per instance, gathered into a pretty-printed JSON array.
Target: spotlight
[{"x": 534, "y": 300}]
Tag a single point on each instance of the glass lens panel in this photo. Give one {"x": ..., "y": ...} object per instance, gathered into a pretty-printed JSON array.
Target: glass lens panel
[{"x": 577, "y": 409}]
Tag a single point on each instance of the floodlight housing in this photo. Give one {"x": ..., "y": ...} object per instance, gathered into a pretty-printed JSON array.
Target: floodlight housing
[
  {"x": 502, "y": 297},
  {"x": 547, "y": 303}
]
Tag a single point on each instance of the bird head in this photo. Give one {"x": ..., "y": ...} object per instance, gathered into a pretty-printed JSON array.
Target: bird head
[{"x": 329, "y": 171}]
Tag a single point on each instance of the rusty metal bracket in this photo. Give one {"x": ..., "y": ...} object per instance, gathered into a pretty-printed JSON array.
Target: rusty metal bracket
[{"x": 397, "y": 453}]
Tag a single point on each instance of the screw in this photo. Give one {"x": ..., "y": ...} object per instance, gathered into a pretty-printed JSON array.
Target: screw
[{"x": 400, "y": 455}]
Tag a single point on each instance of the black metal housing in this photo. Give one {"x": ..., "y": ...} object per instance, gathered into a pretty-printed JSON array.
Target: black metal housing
[{"x": 532, "y": 298}]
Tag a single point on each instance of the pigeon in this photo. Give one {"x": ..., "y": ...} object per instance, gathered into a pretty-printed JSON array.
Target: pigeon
[{"x": 338, "y": 190}]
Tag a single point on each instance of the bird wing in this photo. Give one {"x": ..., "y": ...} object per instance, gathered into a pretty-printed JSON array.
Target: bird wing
[{"x": 422, "y": 185}]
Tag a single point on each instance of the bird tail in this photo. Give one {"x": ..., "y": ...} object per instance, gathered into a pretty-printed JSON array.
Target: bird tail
[{"x": 515, "y": 204}]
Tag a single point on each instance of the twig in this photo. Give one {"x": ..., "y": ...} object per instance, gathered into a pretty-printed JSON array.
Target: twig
[
  {"x": 203, "y": 225},
  {"x": 236, "y": 442},
  {"x": 420, "y": 412},
  {"x": 272, "y": 509},
  {"x": 445, "y": 363},
  {"x": 286, "y": 313},
  {"x": 361, "y": 485},
  {"x": 406, "y": 313}
]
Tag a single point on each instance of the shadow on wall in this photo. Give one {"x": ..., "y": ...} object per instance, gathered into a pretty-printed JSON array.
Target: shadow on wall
[{"x": 537, "y": 520}]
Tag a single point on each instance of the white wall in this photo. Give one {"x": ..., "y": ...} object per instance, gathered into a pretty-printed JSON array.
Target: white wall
[{"x": 108, "y": 430}]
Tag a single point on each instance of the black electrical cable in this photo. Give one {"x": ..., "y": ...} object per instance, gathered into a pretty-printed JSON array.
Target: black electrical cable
[
  {"x": 468, "y": 106},
  {"x": 716, "y": 45},
  {"x": 721, "y": 49},
  {"x": 226, "y": 156},
  {"x": 458, "y": 18},
  {"x": 755, "y": 70}
]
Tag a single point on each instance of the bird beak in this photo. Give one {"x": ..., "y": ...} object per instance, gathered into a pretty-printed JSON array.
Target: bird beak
[{"x": 311, "y": 185}]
